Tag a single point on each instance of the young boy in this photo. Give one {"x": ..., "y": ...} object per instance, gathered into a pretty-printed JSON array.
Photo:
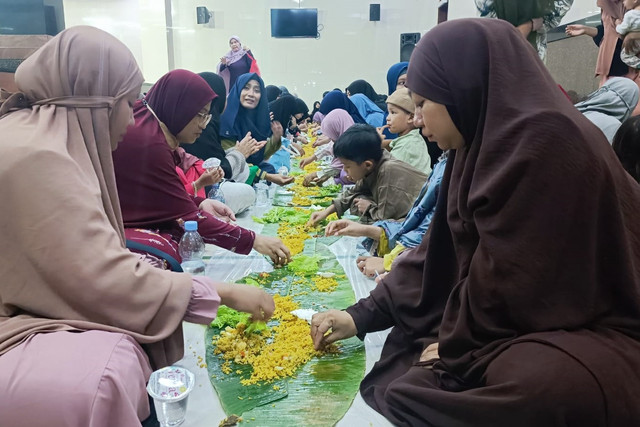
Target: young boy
[
  {"x": 409, "y": 146},
  {"x": 385, "y": 187}
]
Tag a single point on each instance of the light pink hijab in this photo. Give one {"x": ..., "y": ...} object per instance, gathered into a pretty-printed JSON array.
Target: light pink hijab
[
  {"x": 63, "y": 262},
  {"x": 336, "y": 123}
]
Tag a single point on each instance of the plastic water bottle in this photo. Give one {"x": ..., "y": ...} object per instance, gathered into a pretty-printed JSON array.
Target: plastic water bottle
[
  {"x": 191, "y": 249},
  {"x": 216, "y": 193},
  {"x": 284, "y": 171}
]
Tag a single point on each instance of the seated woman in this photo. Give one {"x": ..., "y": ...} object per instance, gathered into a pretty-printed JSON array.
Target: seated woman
[
  {"x": 388, "y": 239},
  {"x": 508, "y": 313},
  {"x": 335, "y": 124},
  {"x": 385, "y": 187},
  {"x": 285, "y": 110},
  {"x": 371, "y": 113},
  {"x": 174, "y": 111},
  {"x": 337, "y": 100},
  {"x": 626, "y": 145},
  {"x": 83, "y": 322},
  {"x": 610, "y": 105},
  {"x": 238, "y": 196},
  {"x": 247, "y": 116},
  {"x": 364, "y": 87}
]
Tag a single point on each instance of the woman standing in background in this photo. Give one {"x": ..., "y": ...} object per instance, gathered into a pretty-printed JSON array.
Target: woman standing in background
[
  {"x": 239, "y": 60},
  {"x": 532, "y": 18}
]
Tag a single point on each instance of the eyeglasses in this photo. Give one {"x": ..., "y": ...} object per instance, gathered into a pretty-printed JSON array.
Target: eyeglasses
[{"x": 204, "y": 118}]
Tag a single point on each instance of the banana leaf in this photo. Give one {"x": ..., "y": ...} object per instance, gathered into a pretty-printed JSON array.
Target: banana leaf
[{"x": 323, "y": 389}]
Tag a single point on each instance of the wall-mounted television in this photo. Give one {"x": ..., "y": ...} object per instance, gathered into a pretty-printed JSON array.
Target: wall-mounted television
[{"x": 287, "y": 23}]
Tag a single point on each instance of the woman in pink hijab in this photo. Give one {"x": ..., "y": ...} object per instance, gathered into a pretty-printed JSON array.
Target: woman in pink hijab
[
  {"x": 238, "y": 61},
  {"x": 83, "y": 321}
]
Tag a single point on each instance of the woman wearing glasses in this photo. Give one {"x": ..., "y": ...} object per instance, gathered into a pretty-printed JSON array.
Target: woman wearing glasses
[{"x": 152, "y": 197}]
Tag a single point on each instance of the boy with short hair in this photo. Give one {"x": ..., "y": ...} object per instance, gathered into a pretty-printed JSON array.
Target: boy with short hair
[
  {"x": 385, "y": 187},
  {"x": 409, "y": 146}
]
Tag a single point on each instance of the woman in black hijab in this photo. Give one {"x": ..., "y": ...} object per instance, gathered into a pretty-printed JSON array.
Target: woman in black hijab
[
  {"x": 521, "y": 306},
  {"x": 238, "y": 196},
  {"x": 365, "y": 88},
  {"x": 273, "y": 92}
]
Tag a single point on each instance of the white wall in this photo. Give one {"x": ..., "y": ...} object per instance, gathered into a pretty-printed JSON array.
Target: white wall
[
  {"x": 139, "y": 24},
  {"x": 350, "y": 46}
]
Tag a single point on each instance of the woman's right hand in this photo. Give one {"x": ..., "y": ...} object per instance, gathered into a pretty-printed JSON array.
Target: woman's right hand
[
  {"x": 321, "y": 140},
  {"x": 273, "y": 248},
  {"x": 307, "y": 161},
  {"x": 310, "y": 179},
  {"x": 248, "y": 145},
  {"x": 279, "y": 179},
  {"x": 210, "y": 177},
  {"x": 575, "y": 30},
  {"x": 344, "y": 227},
  {"x": 339, "y": 324},
  {"x": 578, "y": 30},
  {"x": 316, "y": 217},
  {"x": 248, "y": 299},
  {"x": 223, "y": 60}
]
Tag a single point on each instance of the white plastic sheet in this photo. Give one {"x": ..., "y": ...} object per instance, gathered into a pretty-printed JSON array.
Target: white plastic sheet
[{"x": 204, "y": 408}]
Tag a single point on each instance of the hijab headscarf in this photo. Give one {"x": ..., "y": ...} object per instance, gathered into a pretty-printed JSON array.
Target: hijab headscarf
[
  {"x": 174, "y": 99},
  {"x": 273, "y": 92},
  {"x": 514, "y": 251},
  {"x": 232, "y": 56},
  {"x": 394, "y": 73},
  {"x": 283, "y": 108},
  {"x": 316, "y": 108},
  {"x": 368, "y": 110},
  {"x": 284, "y": 90},
  {"x": 336, "y": 123},
  {"x": 337, "y": 99},
  {"x": 365, "y": 88},
  {"x": 520, "y": 12},
  {"x": 63, "y": 260},
  {"x": 301, "y": 107},
  {"x": 236, "y": 120},
  {"x": 610, "y": 105},
  {"x": 149, "y": 188},
  {"x": 208, "y": 144}
]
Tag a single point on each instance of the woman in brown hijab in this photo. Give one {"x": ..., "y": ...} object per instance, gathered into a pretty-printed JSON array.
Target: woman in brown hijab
[
  {"x": 82, "y": 320},
  {"x": 521, "y": 307}
]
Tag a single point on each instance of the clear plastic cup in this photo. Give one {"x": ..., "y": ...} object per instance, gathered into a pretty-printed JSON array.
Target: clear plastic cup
[
  {"x": 262, "y": 194},
  {"x": 170, "y": 387},
  {"x": 284, "y": 171},
  {"x": 211, "y": 163}
]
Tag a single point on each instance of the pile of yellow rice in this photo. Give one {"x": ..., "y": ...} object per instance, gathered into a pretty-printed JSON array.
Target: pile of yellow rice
[{"x": 275, "y": 353}]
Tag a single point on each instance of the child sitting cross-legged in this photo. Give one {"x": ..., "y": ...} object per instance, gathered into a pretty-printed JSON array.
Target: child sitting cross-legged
[{"x": 385, "y": 187}]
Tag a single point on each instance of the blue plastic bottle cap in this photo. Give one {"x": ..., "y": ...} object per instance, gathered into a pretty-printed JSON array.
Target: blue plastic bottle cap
[{"x": 191, "y": 226}]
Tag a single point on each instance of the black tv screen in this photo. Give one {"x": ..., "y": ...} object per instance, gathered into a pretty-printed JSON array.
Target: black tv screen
[{"x": 294, "y": 23}]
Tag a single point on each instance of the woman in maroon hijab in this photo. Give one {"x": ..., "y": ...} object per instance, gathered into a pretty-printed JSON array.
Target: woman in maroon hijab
[
  {"x": 521, "y": 307},
  {"x": 174, "y": 111}
]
